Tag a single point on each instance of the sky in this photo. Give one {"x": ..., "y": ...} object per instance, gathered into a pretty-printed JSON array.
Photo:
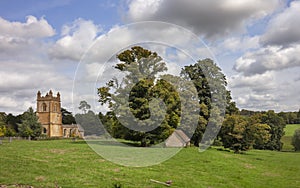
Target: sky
[{"x": 44, "y": 45}]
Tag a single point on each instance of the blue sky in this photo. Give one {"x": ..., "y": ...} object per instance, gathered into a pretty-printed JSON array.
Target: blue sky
[
  {"x": 60, "y": 12},
  {"x": 256, "y": 43}
]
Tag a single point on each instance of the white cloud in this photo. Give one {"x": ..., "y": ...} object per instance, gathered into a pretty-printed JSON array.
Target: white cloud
[
  {"x": 30, "y": 63},
  {"x": 268, "y": 58},
  {"x": 6, "y": 101},
  {"x": 274, "y": 65},
  {"x": 25, "y": 67},
  {"x": 284, "y": 28},
  {"x": 275, "y": 90},
  {"x": 18, "y": 37},
  {"x": 280, "y": 45},
  {"x": 256, "y": 82},
  {"x": 206, "y": 17},
  {"x": 33, "y": 28},
  {"x": 259, "y": 102},
  {"x": 76, "y": 39},
  {"x": 238, "y": 44}
]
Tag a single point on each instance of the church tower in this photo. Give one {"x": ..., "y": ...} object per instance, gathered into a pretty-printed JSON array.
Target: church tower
[{"x": 49, "y": 113}]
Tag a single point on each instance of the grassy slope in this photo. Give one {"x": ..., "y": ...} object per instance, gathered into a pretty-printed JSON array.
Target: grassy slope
[
  {"x": 68, "y": 164},
  {"x": 287, "y": 138}
]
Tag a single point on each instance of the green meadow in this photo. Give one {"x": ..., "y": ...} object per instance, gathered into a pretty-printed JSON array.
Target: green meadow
[
  {"x": 64, "y": 163},
  {"x": 287, "y": 138}
]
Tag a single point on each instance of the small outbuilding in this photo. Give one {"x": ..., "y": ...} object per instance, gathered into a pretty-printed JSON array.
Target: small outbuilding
[
  {"x": 178, "y": 139},
  {"x": 71, "y": 130}
]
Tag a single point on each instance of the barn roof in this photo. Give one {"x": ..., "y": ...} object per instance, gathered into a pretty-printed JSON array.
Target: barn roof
[{"x": 182, "y": 135}]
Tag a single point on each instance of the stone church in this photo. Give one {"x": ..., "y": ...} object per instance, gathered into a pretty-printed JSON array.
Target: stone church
[{"x": 50, "y": 116}]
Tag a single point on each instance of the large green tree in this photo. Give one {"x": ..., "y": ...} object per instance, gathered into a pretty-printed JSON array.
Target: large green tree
[
  {"x": 138, "y": 98},
  {"x": 29, "y": 126},
  {"x": 213, "y": 97}
]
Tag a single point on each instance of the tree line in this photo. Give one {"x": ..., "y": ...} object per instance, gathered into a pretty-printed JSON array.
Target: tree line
[
  {"x": 241, "y": 129},
  {"x": 288, "y": 117}
]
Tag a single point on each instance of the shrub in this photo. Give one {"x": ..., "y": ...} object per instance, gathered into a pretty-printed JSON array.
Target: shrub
[{"x": 296, "y": 140}]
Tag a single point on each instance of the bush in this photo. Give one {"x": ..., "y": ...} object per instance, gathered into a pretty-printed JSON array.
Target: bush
[{"x": 296, "y": 140}]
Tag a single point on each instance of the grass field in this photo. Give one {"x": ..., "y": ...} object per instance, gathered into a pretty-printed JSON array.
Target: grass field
[
  {"x": 287, "y": 138},
  {"x": 64, "y": 163}
]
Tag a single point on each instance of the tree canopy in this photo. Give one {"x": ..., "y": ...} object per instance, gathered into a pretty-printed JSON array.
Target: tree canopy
[
  {"x": 67, "y": 117},
  {"x": 138, "y": 98},
  {"x": 29, "y": 126},
  {"x": 150, "y": 94},
  {"x": 84, "y": 106}
]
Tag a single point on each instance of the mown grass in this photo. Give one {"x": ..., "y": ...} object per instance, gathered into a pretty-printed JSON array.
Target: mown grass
[
  {"x": 287, "y": 138},
  {"x": 63, "y": 163}
]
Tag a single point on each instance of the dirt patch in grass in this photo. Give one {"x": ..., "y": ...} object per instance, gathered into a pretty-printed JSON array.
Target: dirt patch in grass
[
  {"x": 40, "y": 178},
  {"x": 58, "y": 151},
  {"x": 116, "y": 170},
  {"x": 249, "y": 166}
]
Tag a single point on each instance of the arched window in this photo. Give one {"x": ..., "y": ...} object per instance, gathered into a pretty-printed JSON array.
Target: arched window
[
  {"x": 55, "y": 108},
  {"x": 44, "y": 130},
  {"x": 65, "y": 132},
  {"x": 44, "y": 107}
]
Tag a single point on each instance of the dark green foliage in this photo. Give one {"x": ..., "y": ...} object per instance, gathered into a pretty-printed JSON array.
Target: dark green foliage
[
  {"x": 231, "y": 108},
  {"x": 240, "y": 133},
  {"x": 88, "y": 120},
  {"x": 67, "y": 117},
  {"x": 29, "y": 126},
  {"x": 290, "y": 117},
  {"x": 90, "y": 123},
  {"x": 277, "y": 126},
  {"x": 13, "y": 121},
  {"x": 2, "y": 124},
  {"x": 143, "y": 85},
  {"x": 296, "y": 140},
  {"x": 210, "y": 84},
  {"x": 233, "y": 133},
  {"x": 245, "y": 112},
  {"x": 265, "y": 130}
]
